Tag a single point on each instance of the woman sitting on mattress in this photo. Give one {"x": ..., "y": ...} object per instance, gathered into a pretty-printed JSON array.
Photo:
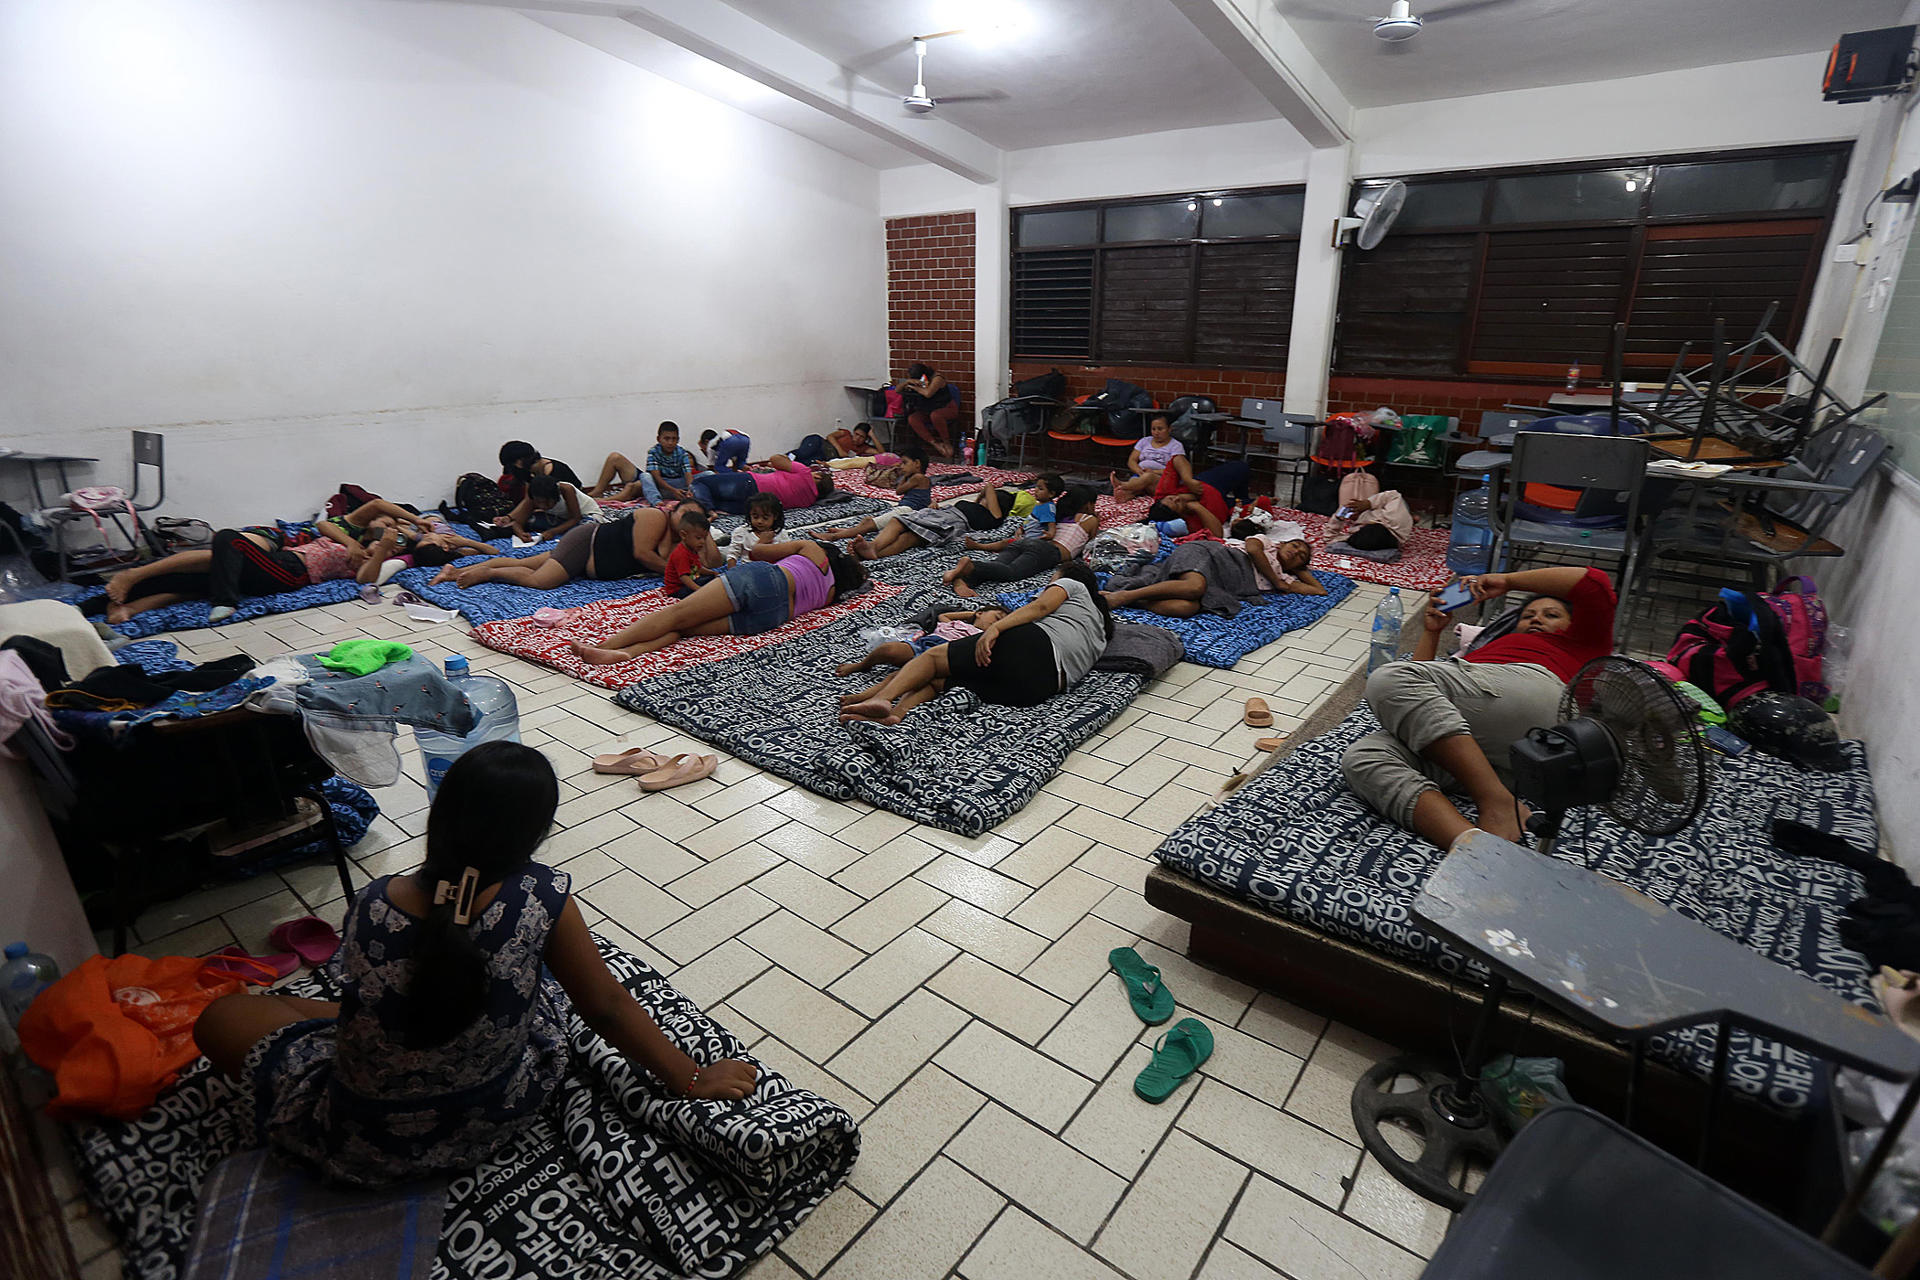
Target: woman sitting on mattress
[
  {"x": 259, "y": 561},
  {"x": 1021, "y": 660},
  {"x": 1452, "y": 722},
  {"x": 1205, "y": 576},
  {"x": 638, "y": 542},
  {"x": 451, "y": 1033},
  {"x": 778, "y": 582}
]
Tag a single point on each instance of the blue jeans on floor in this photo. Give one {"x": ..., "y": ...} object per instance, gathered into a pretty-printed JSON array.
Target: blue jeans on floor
[
  {"x": 727, "y": 491},
  {"x": 730, "y": 452}
]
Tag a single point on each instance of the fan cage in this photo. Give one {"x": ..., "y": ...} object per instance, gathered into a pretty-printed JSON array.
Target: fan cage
[{"x": 1663, "y": 760}]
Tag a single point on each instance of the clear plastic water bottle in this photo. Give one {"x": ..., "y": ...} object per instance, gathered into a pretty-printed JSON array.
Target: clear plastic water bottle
[
  {"x": 1470, "y": 543},
  {"x": 1386, "y": 631},
  {"x": 25, "y": 975},
  {"x": 496, "y": 719}
]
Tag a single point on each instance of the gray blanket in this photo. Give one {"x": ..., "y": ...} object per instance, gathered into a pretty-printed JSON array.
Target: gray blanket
[
  {"x": 1229, "y": 575},
  {"x": 1148, "y": 651}
]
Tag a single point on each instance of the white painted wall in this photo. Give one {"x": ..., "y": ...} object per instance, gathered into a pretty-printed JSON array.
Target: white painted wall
[
  {"x": 1767, "y": 102},
  {"x": 327, "y": 240}
]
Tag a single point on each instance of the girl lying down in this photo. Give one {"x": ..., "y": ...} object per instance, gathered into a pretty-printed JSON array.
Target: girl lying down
[
  {"x": 451, "y": 1035},
  {"x": 638, "y": 542}
]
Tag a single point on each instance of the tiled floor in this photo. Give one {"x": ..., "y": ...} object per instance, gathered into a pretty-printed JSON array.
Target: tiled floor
[{"x": 952, "y": 993}]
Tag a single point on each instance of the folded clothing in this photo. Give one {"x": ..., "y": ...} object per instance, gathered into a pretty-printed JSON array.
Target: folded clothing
[
  {"x": 364, "y": 656},
  {"x": 129, "y": 685}
]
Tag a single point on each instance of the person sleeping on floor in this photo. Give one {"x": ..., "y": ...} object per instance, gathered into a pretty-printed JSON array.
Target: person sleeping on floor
[
  {"x": 260, "y": 561},
  {"x": 779, "y": 581},
  {"x": 640, "y": 541},
  {"x": 1205, "y": 576},
  {"x": 795, "y": 484},
  {"x": 937, "y": 526},
  {"x": 1021, "y": 660},
  {"x": 1452, "y": 722},
  {"x": 451, "y": 1033},
  {"x": 1057, "y": 533}
]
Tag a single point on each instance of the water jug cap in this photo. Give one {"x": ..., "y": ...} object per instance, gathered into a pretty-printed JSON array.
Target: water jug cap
[
  {"x": 456, "y": 664},
  {"x": 1393, "y": 591},
  {"x": 15, "y": 950}
]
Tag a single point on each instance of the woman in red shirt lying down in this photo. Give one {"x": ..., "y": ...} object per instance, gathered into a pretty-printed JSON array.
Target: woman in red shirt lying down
[{"x": 1451, "y": 722}]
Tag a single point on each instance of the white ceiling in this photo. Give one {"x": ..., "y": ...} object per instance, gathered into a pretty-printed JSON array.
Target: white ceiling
[
  {"x": 1079, "y": 70},
  {"x": 1522, "y": 44}
]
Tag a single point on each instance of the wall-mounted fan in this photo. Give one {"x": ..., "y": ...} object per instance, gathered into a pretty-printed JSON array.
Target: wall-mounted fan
[
  {"x": 920, "y": 102},
  {"x": 1373, "y": 215}
]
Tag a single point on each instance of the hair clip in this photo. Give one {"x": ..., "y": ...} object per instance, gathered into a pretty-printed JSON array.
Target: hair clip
[{"x": 461, "y": 895}]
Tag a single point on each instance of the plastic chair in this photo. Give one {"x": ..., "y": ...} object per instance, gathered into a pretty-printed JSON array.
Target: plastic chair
[
  {"x": 1606, "y": 469},
  {"x": 1577, "y": 1197}
]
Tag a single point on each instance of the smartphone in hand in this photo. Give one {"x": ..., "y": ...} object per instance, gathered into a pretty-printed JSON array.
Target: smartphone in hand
[{"x": 1455, "y": 595}]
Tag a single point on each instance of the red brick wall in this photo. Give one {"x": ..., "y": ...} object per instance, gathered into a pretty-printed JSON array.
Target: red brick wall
[
  {"x": 930, "y": 298},
  {"x": 1464, "y": 400}
]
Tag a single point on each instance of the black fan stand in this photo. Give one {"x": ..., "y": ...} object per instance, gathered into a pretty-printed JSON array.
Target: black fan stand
[{"x": 1448, "y": 1114}]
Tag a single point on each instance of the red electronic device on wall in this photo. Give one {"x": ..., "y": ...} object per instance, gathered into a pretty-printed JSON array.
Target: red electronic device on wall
[{"x": 1870, "y": 64}]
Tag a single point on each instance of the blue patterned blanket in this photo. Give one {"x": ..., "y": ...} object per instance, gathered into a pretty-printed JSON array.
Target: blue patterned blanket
[{"x": 1297, "y": 842}]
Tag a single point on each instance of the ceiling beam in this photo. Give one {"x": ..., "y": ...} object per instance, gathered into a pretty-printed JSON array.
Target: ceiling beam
[
  {"x": 726, "y": 36},
  {"x": 1253, "y": 36}
]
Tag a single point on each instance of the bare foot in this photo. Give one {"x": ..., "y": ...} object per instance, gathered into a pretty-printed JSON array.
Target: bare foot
[
  {"x": 1498, "y": 816},
  {"x": 962, "y": 590},
  {"x": 118, "y": 585},
  {"x": 872, "y": 709},
  {"x": 445, "y": 575},
  {"x": 966, "y": 563},
  {"x": 1113, "y": 600},
  {"x": 861, "y": 548},
  {"x": 597, "y": 656},
  {"x": 833, "y": 535},
  {"x": 118, "y": 613},
  {"x": 847, "y": 669}
]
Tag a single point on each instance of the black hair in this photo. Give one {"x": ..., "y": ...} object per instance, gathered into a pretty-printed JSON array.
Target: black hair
[
  {"x": 766, "y": 502},
  {"x": 706, "y": 436},
  {"x": 492, "y": 812},
  {"x": 1083, "y": 574},
  {"x": 543, "y": 487},
  {"x": 1244, "y": 529},
  {"x": 1055, "y": 485},
  {"x": 849, "y": 575},
  {"x": 666, "y": 427},
  {"x": 1076, "y": 499},
  {"x": 1160, "y": 512},
  {"x": 919, "y": 370},
  {"x": 517, "y": 456},
  {"x": 867, "y": 427},
  {"x": 693, "y": 520},
  {"x": 1160, "y": 415},
  {"x": 823, "y": 484},
  {"x": 429, "y": 555}
]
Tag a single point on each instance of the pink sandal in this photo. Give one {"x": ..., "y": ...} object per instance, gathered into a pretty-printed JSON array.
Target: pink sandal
[
  {"x": 234, "y": 961},
  {"x": 310, "y": 938},
  {"x": 634, "y": 760},
  {"x": 680, "y": 770},
  {"x": 550, "y": 617}
]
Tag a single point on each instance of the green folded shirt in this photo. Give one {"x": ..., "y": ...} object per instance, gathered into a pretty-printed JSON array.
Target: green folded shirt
[{"x": 363, "y": 657}]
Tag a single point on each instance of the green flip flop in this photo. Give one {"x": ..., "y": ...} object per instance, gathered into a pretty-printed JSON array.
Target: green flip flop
[
  {"x": 1150, "y": 999},
  {"x": 1176, "y": 1055}
]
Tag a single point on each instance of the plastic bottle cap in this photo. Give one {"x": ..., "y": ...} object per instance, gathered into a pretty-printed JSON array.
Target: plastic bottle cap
[
  {"x": 1393, "y": 591},
  {"x": 457, "y": 664},
  {"x": 16, "y": 949}
]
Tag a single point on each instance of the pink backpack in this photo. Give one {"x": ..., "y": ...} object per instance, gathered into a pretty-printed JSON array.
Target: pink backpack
[{"x": 1804, "y": 618}]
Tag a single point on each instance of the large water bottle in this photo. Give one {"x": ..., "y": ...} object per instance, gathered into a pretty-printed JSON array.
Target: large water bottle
[
  {"x": 1386, "y": 631},
  {"x": 25, "y": 975},
  {"x": 496, "y": 719},
  {"x": 1470, "y": 546}
]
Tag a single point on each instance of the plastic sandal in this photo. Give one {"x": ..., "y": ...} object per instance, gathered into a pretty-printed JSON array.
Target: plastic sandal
[
  {"x": 1270, "y": 744},
  {"x": 1258, "y": 714},
  {"x": 1176, "y": 1055},
  {"x": 310, "y": 938},
  {"x": 634, "y": 760},
  {"x": 1145, "y": 992},
  {"x": 233, "y": 961},
  {"x": 679, "y": 771}
]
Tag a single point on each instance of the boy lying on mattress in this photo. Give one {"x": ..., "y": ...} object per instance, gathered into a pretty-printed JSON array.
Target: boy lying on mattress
[
  {"x": 451, "y": 1035},
  {"x": 258, "y": 561},
  {"x": 1451, "y": 722}
]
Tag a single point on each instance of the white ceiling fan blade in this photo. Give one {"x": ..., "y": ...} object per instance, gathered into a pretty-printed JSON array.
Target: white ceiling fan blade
[{"x": 992, "y": 95}]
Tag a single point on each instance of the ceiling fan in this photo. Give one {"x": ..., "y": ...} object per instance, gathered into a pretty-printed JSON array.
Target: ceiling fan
[
  {"x": 1401, "y": 23},
  {"x": 920, "y": 102}
]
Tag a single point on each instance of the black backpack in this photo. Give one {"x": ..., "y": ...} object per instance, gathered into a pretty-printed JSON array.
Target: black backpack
[
  {"x": 1051, "y": 385},
  {"x": 479, "y": 499},
  {"x": 1119, "y": 395}
]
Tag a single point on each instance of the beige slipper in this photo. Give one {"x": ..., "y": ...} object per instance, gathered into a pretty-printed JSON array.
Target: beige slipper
[
  {"x": 680, "y": 770},
  {"x": 635, "y": 760},
  {"x": 1270, "y": 744},
  {"x": 1258, "y": 714}
]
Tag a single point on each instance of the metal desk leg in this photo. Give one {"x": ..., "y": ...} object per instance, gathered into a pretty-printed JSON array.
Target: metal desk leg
[
  {"x": 1850, "y": 1204},
  {"x": 1713, "y": 1092},
  {"x": 1633, "y": 1080}
]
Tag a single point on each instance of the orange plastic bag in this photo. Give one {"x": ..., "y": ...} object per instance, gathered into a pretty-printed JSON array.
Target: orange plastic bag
[{"x": 114, "y": 1033}]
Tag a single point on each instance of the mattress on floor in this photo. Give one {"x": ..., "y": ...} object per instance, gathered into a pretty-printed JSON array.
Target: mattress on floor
[
  {"x": 1296, "y": 841},
  {"x": 609, "y": 1181},
  {"x": 954, "y": 763}
]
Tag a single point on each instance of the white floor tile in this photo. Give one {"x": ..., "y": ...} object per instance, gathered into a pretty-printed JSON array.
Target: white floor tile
[
  {"x": 923, "y": 1234},
  {"x": 1284, "y": 1148},
  {"x": 804, "y": 950},
  {"x": 818, "y": 1241},
  {"x": 987, "y": 936},
  {"x": 1019, "y": 1008},
  {"x": 815, "y": 1024},
  {"x": 908, "y": 1130},
  {"x": 1116, "y": 1126},
  {"x": 1035, "y": 1086},
  {"x": 1038, "y": 1172},
  {"x": 1017, "y": 1247},
  {"x": 886, "y": 977},
  {"x": 1171, "y": 1211},
  {"x": 898, "y": 1044},
  {"x": 1310, "y": 1241},
  {"x": 891, "y": 914}
]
